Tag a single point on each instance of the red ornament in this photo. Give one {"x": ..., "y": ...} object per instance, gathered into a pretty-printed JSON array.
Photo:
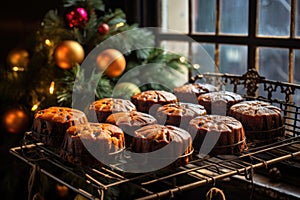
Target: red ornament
[
  {"x": 77, "y": 17},
  {"x": 103, "y": 28}
]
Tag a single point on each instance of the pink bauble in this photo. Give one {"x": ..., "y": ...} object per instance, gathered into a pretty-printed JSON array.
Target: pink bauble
[{"x": 77, "y": 17}]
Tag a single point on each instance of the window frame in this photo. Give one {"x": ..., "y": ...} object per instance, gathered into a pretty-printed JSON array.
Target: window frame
[{"x": 253, "y": 41}]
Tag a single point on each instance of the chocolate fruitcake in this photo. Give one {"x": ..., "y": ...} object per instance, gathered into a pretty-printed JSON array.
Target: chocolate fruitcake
[
  {"x": 176, "y": 141},
  {"x": 218, "y": 103},
  {"x": 190, "y": 92},
  {"x": 152, "y": 99},
  {"x": 217, "y": 135},
  {"x": 179, "y": 114},
  {"x": 50, "y": 125},
  {"x": 130, "y": 122},
  {"x": 106, "y": 106},
  {"x": 85, "y": 143},
  {"x": 260, "y": 119}
]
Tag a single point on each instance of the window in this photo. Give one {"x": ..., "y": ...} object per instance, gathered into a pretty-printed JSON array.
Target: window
[{"x": 238, "y": 34}]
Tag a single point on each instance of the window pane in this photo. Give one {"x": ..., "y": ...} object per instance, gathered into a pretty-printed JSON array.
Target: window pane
[
  {"x": 233, "y": 59},
  {"x": 177, "y": 47},
  {"x": 203, "y": 57},
  {"x": 234, "y": 16},
  {"x": 274, "y": 17},
  {"x": 297, "y": 66},
  {"x": 297, "y": 19},
  {"x": 204, "y": 16},
  {"x": 297, "y": 75},
  {"x": 273, "y": 63},
  {"x": 175, "y": 16}
]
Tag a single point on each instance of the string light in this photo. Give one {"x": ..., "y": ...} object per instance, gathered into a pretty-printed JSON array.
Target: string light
[
  {"x": 35, "y": 106},
  {"x": 182, "y": 59},
  {"x": 118, "y": 25},
  {"x": 51, "y": 88},
  {"x": 196, "y": 66},
  {"x": 17, "y": 69},
  {"x": 48, "y": 42}
]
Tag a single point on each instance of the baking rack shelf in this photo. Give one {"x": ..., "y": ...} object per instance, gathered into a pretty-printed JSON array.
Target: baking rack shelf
[
  {"x": 95, "y": 183},
  {"x": 105, "y": 182}
]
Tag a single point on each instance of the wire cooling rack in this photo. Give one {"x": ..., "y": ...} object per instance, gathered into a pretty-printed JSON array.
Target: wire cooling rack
[{"x": 105, "y": 182}]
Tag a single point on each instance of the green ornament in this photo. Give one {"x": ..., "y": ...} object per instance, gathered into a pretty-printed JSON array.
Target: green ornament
[{"x": 125, "y": 90}]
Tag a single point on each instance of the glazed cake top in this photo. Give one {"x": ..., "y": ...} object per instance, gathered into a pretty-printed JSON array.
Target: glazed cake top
[
  {"x": 224, "y": 96},
  {"x": 61, "y": 115},
  {"x": 112, "y": 104},
  {"x": 156, "y": 96},
  {"x": 195, "y": 88},
  {"x": 132, "y": 118},
  {"x": 162, "y": 134},
  {"x": 253, "y": 108},
  {"x": 182, "y": 109},
  {"x": 216, "y": 123}
]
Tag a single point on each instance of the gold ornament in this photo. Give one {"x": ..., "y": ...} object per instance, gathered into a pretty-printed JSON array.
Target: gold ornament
[
  {"x": 68, "y": 53},
  {"x": 18, "y": 59},
  {"x": 112, "y": 62},
  {"x": 80, "y": 197},
  {"x": 15, "y": 120},
  {"x": 62, "y": 190}
]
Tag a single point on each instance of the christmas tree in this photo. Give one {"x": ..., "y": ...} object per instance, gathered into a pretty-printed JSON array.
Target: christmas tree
[{"x": 45, "y": 77}]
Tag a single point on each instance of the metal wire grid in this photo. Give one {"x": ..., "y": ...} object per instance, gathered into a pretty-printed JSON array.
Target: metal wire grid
[
  {"x": 95, "y": 183},
  {"x": 100, "y": 182}
]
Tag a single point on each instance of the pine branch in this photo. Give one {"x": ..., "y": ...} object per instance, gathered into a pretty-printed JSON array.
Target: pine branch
[{"x": 113, "y": 18}]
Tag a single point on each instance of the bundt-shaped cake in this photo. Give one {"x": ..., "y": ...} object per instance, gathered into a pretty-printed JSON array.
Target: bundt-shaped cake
[
  {"x": 216, "y": 135},
  {"x": 130, "y": 122},
  {"x": 152, "y": 99},
  {"x": 106, "y": 106},
  {"x": 72, "y": 149},
  {"x": 179, "y": 114},
  {"x": 176, "y": 141},
  {"x": 82, "y": 143},
  {"x": 105, "y": 138},
  {"x": 218, "y": 103},
  {"x": 260, "y": 119},
  {"x": 50, "y": 125},
  {"x": 190, "y": 92}
]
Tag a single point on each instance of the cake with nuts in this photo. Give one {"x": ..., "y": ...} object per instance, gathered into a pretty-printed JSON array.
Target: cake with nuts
[
  {"x": 130, "y": 122},
  {"x": 102, "y": 108},
  {"x": 50, "y": 125},
  {"x": 149, "y": 101},
  {"x": 179, "y": 114},
  {"x": 84, "y": 143}
]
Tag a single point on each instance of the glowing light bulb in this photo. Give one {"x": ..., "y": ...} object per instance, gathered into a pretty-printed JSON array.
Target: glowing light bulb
[
  {"x": 196, "y": 66},
  {"x": 51, "y": 88},
  {"x": 35, "y": 106},
  {"x": 118, "y": 25},
  {"x": 15, "y": 68},
  {"x": 182, "y": 59},
  {"x": 48, "y": 42}
]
